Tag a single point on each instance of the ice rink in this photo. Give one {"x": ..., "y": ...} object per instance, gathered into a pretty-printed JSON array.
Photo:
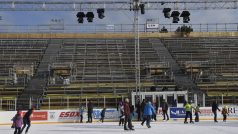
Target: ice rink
[{"x": 171, "y": 127}]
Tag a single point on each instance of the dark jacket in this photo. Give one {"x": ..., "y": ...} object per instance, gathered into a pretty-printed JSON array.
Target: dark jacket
[
  {"x": 142, "y": 106},
  {"x": 90, "y": 107},
  {"x": 164, "y": 106},
  {"x": 28, "y": 114},
  {"x": 215, "y": 107},
  {"x": 138, "y": 108},
  {"x": 103, "y": 112}
]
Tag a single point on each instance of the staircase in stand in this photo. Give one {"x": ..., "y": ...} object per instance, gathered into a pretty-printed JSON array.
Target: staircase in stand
[
  {"x": 33, "y": 92},
  {"x": 181, "y": 79}
]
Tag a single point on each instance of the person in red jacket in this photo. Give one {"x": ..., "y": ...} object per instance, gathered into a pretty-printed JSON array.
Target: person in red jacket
[{"x": 127, "y": 114}]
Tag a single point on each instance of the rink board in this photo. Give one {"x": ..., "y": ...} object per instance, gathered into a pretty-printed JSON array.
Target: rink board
[{"x": 63, "y": 116}]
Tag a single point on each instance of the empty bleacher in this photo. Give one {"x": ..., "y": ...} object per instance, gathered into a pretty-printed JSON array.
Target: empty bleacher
[
  {"x": 16, "y": 54},
  {"x": 103, "y": 68},
  {"x": 210, "y": 62}
]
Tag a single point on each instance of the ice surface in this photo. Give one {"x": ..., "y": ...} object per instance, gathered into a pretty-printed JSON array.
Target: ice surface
[{"x": 171, "y": 127}]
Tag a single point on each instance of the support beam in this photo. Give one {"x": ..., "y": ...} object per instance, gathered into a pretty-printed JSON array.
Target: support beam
[{"x": 71, "y": 5}]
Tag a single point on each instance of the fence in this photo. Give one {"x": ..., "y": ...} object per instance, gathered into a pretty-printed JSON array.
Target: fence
[{"x": 114, "y": 28}]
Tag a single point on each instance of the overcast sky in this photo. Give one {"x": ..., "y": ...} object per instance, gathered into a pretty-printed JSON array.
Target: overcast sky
[{"x": 113, "y": 17}]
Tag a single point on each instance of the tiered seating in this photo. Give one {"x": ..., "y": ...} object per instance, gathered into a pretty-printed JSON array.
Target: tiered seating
[
  {"x": 103, "y": 67},
  {"x": 210, "y": 62},
  {"x": 15, "y": 53}
]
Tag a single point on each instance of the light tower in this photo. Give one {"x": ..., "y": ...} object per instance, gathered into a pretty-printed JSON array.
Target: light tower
[{"x": 136, "y": 8}]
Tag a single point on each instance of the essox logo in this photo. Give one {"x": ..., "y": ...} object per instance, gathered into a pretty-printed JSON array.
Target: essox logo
[{"x": 69, "y": 114}]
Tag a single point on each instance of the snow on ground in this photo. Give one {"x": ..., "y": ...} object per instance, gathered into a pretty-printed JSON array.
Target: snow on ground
[{"x": 171, "y": 127}]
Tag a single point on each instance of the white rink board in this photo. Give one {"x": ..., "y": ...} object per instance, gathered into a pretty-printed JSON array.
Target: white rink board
[{"x": 59, "y": 116}]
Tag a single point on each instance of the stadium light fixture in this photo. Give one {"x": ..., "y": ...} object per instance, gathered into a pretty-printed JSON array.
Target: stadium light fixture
[
  {"x": 166, "y": 12},
  {"x": 80, "y": 16},
  {"x": 175, "y": 15},
  {"x": 90, "y": 16},
  {"x": 100, "y": 12},
  {"x": 185, "y": 15},
  {"x": 142, "y": 8}
]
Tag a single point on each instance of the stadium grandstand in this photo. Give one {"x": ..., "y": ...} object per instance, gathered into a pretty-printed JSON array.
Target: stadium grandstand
[{"x": 51, "y": 67}]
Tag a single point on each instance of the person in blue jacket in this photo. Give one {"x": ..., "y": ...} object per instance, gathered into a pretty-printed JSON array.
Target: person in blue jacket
[{"x": 148, "y": 112}]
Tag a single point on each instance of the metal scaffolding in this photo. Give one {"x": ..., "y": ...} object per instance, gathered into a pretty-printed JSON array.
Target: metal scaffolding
[
  {"x": 73, "y": 5},
  {"x": 136, "y": 8}
]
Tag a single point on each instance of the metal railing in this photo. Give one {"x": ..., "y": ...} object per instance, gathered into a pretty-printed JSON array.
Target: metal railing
[{"x": 114, "y": 28}]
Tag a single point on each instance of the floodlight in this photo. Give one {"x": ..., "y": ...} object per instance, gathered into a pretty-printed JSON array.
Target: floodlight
[
  {"x": 90, "y": 16},
  {"x": 100, "y": 12},
  {"x": 185, "y": 15},
  {"x": 175, "y": 15},
  {"x": 166, "y": 12},
  {"x": 80, "y": 16},
  {"x": 142, "y": 8}
]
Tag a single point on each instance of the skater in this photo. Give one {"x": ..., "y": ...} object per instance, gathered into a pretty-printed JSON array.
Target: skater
[
  {"x": 165, "y": 110},
  {"x": 131, "y": 115},
  {"x": 17, "y": 122},
  {"x": 148, "y": 112},
  {"x": 154, "y": 115},
  {"x": 127, "y": 113},
  {"x": 188, "y": 110},
  {"x": 90, "y": 112},
  {"x": 224, "y": 112},
  {"x": 27, "y": 120},
  {"x": 102, "y": 114},
  {"x": 142, "y": 105},
  {"x": 81, "y": 110},
  {"x": 214, "y": 110},
  {"x": 138, "y": 110},
  {"x": 121, "y": 113},
  {"x": 197, "y": 111}
]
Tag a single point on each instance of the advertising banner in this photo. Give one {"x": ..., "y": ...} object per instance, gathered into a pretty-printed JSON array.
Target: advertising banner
[
  {"x": 111, "y": 114},
  {"x": 177, "y": 112},
  {"x": 74, "y": 115},
  {"x": 39, "y": 115}
]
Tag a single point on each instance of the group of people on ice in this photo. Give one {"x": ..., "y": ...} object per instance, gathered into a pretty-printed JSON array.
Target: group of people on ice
[
  {"x": 188, "y": 110},
  {"x": 145, "y": 110}
]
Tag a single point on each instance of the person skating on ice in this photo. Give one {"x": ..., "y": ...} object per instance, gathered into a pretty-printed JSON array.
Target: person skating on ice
[
  {"x": 120, "y": 108},
  {"x": 148, "y": 112},
  {"x": 27, "y": 120},
  {"x": 224, "y": 112},
  {"x": 196, "y": 113},
  {"x": 17, "y": 122},
  {"x": 103, "y": 115},
  {"x": 127, "y": 113},
  {"x": 90, "y": 112},
  {"x": 188, "y": 110},
  {"x": 214, "y": 110},
  {"x": 165, "y": 110},
  {"x": 81, "y": 111}
]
